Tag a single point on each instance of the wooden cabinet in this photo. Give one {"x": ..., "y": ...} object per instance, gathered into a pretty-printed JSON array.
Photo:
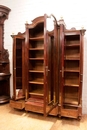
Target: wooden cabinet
[
  {"x": 39, "y": 67},
  {"x": 4, "y": 59},
  {"x": 48, "y": 69},
  {"x": 18, "y": 98},
  {"x": 71, "y": 73}
]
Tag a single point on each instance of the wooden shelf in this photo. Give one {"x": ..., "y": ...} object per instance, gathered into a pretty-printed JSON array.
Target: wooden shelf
[
  {"x": 71, "y": 85},
  {"x": 71, "y": 58},
  {"x": 36, "y": 58},
  {"x": 37, "y": 81},
  {"x": 36, "y": 49},
  {"x": 34, "y": 82},
  {"x": 73, "y": 55},
  {"x": 72, "y": 82},
  {"x": 72, "y": 45},
  {"x": 71, "y": 70},
  {"x": 71, "y": 101},
  {"x": 70, "y": 105},
  {"x": 38, "y": 92},
  {"x": 36, "y": 71},
  {"x": 37, "y": 38}
]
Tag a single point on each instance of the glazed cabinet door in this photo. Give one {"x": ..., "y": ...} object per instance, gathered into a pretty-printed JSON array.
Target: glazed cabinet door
[{"x": 18, "y": 67}]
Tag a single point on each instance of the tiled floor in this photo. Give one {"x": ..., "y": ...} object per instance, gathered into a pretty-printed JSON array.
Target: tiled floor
[{"x": 12, "y": 119}]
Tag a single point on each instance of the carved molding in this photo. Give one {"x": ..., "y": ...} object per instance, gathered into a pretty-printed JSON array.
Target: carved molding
[
  {"x": 5, "y": 55},
  {"x": 4, "y": 11},
  {"x": 83, "y": 31}
]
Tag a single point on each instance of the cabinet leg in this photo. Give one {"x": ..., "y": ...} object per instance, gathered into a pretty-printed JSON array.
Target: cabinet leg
[
  {"x": 59, "y": 116},
  {"x": 79, "y": 118}
]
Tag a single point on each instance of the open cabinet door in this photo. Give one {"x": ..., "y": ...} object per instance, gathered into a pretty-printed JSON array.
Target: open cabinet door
[
  {"x": 18, "y": 97},
  {"x": 53, "y": 68}
]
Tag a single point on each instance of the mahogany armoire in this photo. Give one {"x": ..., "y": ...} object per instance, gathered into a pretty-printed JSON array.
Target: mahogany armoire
[{"x": 48, "y": 69}]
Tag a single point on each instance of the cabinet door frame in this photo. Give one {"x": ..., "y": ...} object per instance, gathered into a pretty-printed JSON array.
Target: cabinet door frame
[{"x": 14, "y": 64}]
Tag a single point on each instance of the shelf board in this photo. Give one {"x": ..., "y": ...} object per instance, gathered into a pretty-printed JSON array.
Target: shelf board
[
  {"x": 72, "y": 45},
  {"x": 37, "y": 92},
  {"x": 71, "y": 70},
  {"x": 72, "y": 85},
  {"x": 71, "y": 80},
  {"x": 36, "y": 58},
  {"x": 37, "y": 38},
  {"x": 35, "y": 49},
  {"x": 72, "y": 101},
  {"x": 37, "y": 81},
  {"x": 71, "y": 105},
  {"x": 71, "y": 58},
  {"x": 36, "y": 71},
  {"x": 77, "y": 56}
]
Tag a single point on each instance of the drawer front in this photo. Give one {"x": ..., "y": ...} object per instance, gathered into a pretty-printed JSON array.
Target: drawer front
[
  {"x": 17, "y": 104},
  {"x": 33, "y": 108},
  {"x": 69, "y": 113}
]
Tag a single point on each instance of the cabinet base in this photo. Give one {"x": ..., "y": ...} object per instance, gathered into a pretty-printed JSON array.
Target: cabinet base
[
  {"x": 20, "y": 104},
  {"x": 69, "y": 113},
  {"x": 38, "y": 107}
]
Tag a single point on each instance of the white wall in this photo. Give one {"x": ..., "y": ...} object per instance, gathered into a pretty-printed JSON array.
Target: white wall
[{"x": 73, "y": 12}]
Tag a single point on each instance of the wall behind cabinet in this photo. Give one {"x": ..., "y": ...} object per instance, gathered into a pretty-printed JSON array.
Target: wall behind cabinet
[{"x": 73, "y": 12}]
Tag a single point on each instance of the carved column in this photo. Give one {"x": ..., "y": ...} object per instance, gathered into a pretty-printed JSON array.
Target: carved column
[
  {"x": 4, "y": 59},
  {"x": 4, "y": 11}
]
